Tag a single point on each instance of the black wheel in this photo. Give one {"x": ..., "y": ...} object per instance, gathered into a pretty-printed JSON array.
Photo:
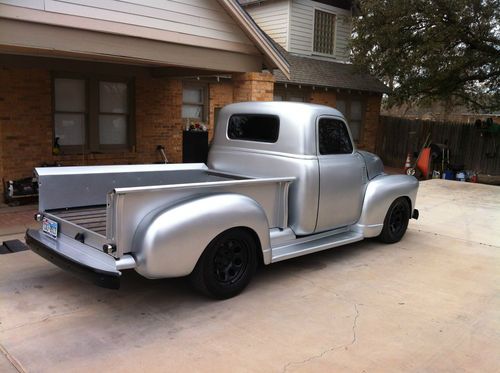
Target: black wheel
[
  {"x": 227, "y": 264},
  {"x": 396, "y": 221}
]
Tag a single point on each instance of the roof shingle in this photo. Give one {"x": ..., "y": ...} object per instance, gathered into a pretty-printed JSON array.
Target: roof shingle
[{"x": 322, "y": 73}]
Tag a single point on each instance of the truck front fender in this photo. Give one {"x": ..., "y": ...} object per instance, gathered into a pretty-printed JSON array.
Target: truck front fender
[
  {"x": 380, "y": 193},
  {"x": 169, "y": 241}
]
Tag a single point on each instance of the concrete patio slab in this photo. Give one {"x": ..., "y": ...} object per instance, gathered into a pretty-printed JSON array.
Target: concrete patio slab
[{"x": 428, "y": 303}]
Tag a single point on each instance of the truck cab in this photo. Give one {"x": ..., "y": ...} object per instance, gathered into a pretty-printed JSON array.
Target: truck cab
[{"x": 310, "y": 142}]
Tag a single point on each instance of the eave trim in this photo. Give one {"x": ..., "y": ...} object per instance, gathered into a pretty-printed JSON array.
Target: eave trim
[{"x": 272, "y": 56}]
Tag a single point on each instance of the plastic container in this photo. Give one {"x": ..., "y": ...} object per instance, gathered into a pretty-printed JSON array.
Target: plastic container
[{"x": 448, "y": 175}]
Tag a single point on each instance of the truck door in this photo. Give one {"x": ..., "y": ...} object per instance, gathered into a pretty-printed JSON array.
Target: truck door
[{"x": 342, "y": 175}]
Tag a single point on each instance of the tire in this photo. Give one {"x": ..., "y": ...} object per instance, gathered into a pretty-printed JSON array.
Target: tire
[
  {"x": 396, "y": 221},
  {"x": 227, "y": 265}
]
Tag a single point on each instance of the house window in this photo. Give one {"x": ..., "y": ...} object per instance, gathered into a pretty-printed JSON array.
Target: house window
[
  {"x": 194, "y": 102},
  {"x": 70, "y": 111},
  {"x": 353, "y": 112},
  {"x": 92, "y": 114},
  {"x": 324, "y": 32},
  {"x": 113, "y": 113},
  {"x": 333, "y": 137}
]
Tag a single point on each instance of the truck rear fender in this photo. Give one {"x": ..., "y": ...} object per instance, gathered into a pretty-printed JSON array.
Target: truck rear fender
[
  {"x": 380, "y": 193},
  {"x": 168, "y": 242}
]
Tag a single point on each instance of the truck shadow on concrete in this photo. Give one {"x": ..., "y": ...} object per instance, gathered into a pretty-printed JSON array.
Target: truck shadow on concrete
[{"x": 339, "y": 258}]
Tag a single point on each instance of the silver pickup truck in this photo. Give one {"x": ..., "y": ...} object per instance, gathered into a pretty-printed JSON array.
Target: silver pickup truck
[{"x": 283, "y": 180}]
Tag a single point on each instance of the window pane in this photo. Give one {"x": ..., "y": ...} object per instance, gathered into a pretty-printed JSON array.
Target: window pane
[
  {"x": 254, "y": 127},
  {"x": 278, "y": 98},
  {"x": 296, "y": 99},
  {"x": 70, "y": 129},
  {"x": 192, "y": 111},
  {"x": 333, "y": 137},
  {"x": 356, "y": 113},
  {"x": 113, "y": 129},
  {"x": 355, "y": 126},
  {"x": 324, "y": 32},
  {"x": 113, "y": 97},
  {"x": 341, "y": 107},
  {"x": 69, "y": 94},
  {"x": 192, "y": 95}
]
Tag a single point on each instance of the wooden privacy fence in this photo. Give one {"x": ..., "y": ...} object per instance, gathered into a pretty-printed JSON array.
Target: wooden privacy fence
[{"x": 476, "y": 152}]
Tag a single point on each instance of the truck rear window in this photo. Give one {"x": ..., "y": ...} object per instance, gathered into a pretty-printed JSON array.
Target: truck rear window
[{"x": 254, "y": 127}]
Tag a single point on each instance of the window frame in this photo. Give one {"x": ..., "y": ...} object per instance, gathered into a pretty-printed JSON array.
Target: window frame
[
  {"x": 92, "y": 110},
  {"x": 204, "y": 101},
  {"x": 318, "y": 152},
  {"x": 348, "y": 98},
  {"x": 70, "y": 149},
  {"x": 334, "y": 47},
  {"x": 109, "y": 148}
]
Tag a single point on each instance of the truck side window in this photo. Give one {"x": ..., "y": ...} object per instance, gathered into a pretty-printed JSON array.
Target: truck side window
[
  {"x": 254, "y": 127},
  {"x": 333, "y": 137}
]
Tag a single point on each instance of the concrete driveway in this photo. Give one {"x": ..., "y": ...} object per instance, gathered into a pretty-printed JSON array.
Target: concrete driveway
[{"x": 429, "y": 303}]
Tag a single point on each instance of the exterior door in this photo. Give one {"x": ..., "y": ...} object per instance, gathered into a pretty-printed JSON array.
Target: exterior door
[{"x": 342, "y": 176}]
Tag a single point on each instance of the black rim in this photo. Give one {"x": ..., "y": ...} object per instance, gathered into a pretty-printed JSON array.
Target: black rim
[
  {"x": 230, "y": 261},
  {"x": 397, "y": 220}
]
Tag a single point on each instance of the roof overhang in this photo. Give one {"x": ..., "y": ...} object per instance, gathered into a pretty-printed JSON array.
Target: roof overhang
[{"x": 274, "y": 59}]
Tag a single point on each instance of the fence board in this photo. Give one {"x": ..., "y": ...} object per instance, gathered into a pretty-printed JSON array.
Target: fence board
[{"x": 467, "y": 145}]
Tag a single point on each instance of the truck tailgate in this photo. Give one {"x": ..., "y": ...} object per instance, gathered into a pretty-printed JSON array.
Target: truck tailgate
[{"x": 80, "y": 259}]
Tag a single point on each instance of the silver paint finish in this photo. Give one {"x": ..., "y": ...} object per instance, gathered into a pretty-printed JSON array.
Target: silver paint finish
[
  {"x": 129, "y": 206},
  {"x": 67, "y": 187},
  {"x": 304, "y": 191},
  {"x": 168, "y": 243},
  {"x": 297, "y": 130},
  {"x": 374, "y": 165},
  {"x": 342, "y": 186},
  {"x": 162, "y": 217},
  {"x": 315, "y": 243},
  {"x": 379, "y": 195},
  {"x": 295, "y": 154}
]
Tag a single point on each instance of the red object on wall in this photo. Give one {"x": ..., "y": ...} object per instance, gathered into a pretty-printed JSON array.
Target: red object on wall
[{"x": 424, "y": 162}]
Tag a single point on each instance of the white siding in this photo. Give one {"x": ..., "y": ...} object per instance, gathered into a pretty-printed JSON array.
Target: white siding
[
  {"x": 302, "y": 28},
  {"x": 199, "y": 18},
  {"x": 273, "y": 17}
]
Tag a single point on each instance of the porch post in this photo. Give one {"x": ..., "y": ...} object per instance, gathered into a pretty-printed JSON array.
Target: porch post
[{"x": 253, "y": 87}]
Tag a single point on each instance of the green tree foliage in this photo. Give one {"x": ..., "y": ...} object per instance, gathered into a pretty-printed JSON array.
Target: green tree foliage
[{"x": 426, "y": 50}]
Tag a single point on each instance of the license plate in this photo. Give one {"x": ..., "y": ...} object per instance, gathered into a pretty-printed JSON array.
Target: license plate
[{"x": 49, "y": 227}]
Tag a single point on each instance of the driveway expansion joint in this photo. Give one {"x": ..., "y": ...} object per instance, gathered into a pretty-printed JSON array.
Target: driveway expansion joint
[{"x": 15, "y": 363}]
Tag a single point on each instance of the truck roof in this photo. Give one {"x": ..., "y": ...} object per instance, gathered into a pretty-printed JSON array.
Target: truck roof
[
  {"x": 281, "y": 107},
  {"x": 297, "y": 125}
]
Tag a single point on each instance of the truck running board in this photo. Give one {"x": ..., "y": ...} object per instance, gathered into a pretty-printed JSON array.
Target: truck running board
[{"x": 310, "y": 245}]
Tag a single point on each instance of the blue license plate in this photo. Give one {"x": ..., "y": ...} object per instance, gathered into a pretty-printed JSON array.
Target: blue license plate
[{"x": 50, "y": 227}]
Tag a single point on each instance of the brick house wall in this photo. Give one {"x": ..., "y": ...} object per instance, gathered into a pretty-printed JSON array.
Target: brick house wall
[
  {"x": 372, "y": 120},
  {"x": 322, "y": 97},
  {"x": 253, "y": 87},
  {"x": 26, "y": 123},
  {"x": 220, "y": 94}
]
